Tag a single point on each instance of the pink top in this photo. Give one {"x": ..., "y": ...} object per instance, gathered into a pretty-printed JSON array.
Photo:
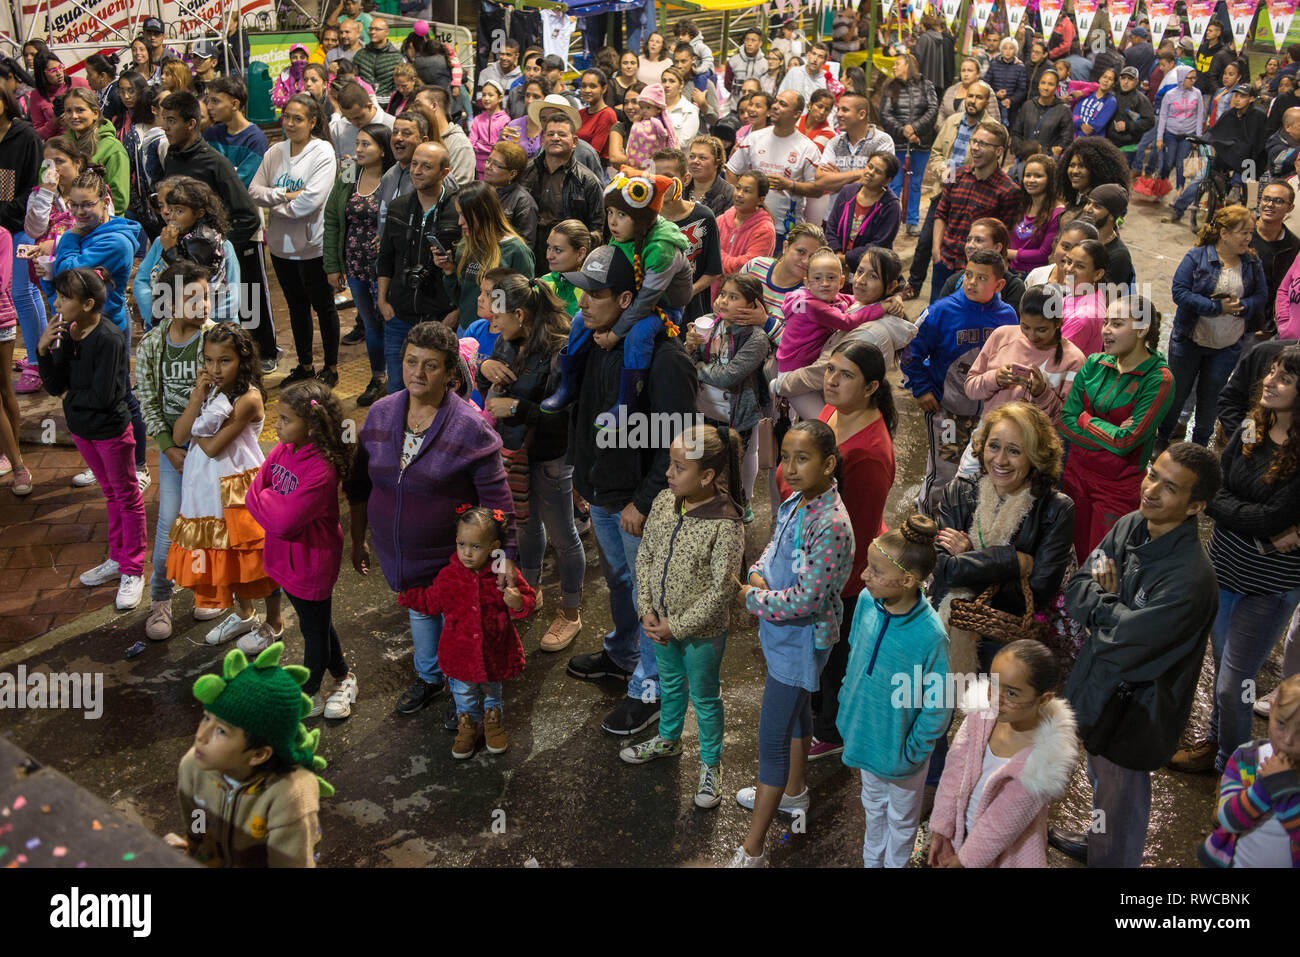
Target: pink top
[
  {"x": 484, "y": 131},
  {"x": 8, "y": 315},
  {"x": 644, "y": 138},
  {"x": 42, "y": 110},
  {"x": 756, "y": 236},
  {"x": 1007, "y": 345},
  {"x": 1034, "y": 251},
  {"x": 1287, "y": 303},
  {"x": 809, "y": 322},
  {"x": 1083, "y": 318}
]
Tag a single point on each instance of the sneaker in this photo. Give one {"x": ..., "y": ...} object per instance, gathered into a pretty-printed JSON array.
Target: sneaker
[
  {"x": 209, "y": 614},
  {"x": 232, "y": 627},
  {"x": 102, "y": 574},
  {"x": 1197, "y": 759},
  {"x": 129, "y": 591},
  {"x": 317, "y": 706},
  {"x": 742, "y": 859},
  {"x": 5, "y": 466},
  {"x": 561, "y": 633},
  {"x": 339, "y": 704},
  {"x": 375, "y": 391},
  {"x": 824, "y": 749},
  {"x": 84, "y": 479},
  {"x": 269, "y": 366},
  {"x": 29, "y": 381},
  {"x": 914, "y": 230},
  {"x": 355, "y": 336},
  {"x": 468, "y": 734},
  {"x": 418, "y": 695},
  {"x": 597, "y": 664},
  {"x": 158, "y": 626},
  {"x": 630, "y": 717},
  {"x": 749, "y": 515},
  {"x": 1173, "y": 217},
  {"x": 329, "y": 376},
  {"x": 908, "y": 292},
  {"x": 494, "y": 731},
  {"x": 143, "y": 478},
  {"x": 647, "y": 751},
  {"x": 256, "y": 642},
  {"x": 22, "y": 482},
  {"x": 789, "y": 805},
  {"x": 708, "y": 792},
  {"x": 1264, "y": 706},
  {"x": 451, "y": 720},
  {"x": 298, "y": 374}
]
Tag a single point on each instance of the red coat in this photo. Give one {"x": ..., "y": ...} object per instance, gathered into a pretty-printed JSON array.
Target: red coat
[{"x": 479, "y": 641}]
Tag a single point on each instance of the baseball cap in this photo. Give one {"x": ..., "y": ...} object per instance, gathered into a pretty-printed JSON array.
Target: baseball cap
[
  {"x": 1246, "y": 89},
  {"x": 1140, "y": 32},
  {"x": 153, "y": 25},
  {"x": 204, "y": 49},
  {"x": 606, "y": 267},
  {"x": 1129, "y": 71}
]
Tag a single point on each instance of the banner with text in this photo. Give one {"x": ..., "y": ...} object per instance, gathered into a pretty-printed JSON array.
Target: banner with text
[
  {"x": 1085, "y": 11},
  {"x": 1160, "y": 13},
  {"x": 1015, "y": 14},
  {"x": 1199, "y": 13},
  {"x": 1241, "y": 13},
  {"x": 1280, "y": 15},
  {"x": 1049, "y": 11}
]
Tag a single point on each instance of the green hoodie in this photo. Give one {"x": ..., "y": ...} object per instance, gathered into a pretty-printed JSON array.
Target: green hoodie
[
  {"x": 668, "y": 277},
  {"x": 111, "y": 154}
]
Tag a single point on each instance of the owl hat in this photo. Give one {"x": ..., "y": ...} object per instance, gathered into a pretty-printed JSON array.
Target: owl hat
[{"x": 641, "y": 195}]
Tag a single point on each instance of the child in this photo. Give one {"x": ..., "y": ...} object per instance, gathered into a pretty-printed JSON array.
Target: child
[
  {"x": 485, "y": 129},
  {"x": 814, "y": 311},
  {"x": 1259, "y": 795},
  {"x": 479, "y": 647},
  {"x": 889, "y": 740},
  {"x": 11, "y": 460},
  {"x": 248, "y": 788},
  {"x": 695, "y": 531},
  {"x": 1084, "y": 305},
  {"x": 1009, "y": 761},
  {"x": 794, "y": 588},
  {"x": 566, "y": 251},
  {"x": 167, "y": 366},
  {"x": 290, "y": 81},
  {"x": 702, "y": 61},
  {"x": 84, "y": 359},
  {"x": 1070, "y": 235},
  {"x": 216, "y": 546},
  {"x": 652, "y": 132},
  {"x": 295, "y": 498}
]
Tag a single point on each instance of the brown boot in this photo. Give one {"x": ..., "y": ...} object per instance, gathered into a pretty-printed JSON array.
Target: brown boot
[
  {"x": 494, "y": 729},
  {"x": 1197, "y": 759},
  {"x": 468, "y": 733}
]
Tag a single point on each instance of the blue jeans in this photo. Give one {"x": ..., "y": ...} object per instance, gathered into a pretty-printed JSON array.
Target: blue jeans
[
  {"x": 1244, "y": 633},
  {"x": 1124, "y": 796},
  {"x": 638, "y": 345},
  {"x": 1176, "y": 150},
  {"x": 639, "y": 25},
  {"x": 785, "y": 714},
  {"x": 426, "y": 630},
  {"x": 169, "y": 507},
  {"x": 365, "y": 295},
  {"x": 1207, "y": 371},
  {"x": 550, "y": 513},
  {"x": 627, "y": 645},
  {"x": 919, "y": 159},
  {"x": 395, "y": 331},
  {"x": 1138, "y": 157},
  {"x": 938, "y": 277},
  {"x": 473, "y": 697},
  {"x": 1188, "y": 195},
  {"x": 27, "y": 301}
]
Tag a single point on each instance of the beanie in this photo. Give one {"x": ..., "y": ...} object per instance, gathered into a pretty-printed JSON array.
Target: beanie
[
  {"x": 641, "y": 195},
  {"x": 1113, "y": 198}
]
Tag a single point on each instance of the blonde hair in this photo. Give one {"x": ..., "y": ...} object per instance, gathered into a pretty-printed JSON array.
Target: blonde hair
[
  {"x": 1039, "y": 439},
  {"x": 825, "y": 252},
  {"x": 1287, "y": 703}
]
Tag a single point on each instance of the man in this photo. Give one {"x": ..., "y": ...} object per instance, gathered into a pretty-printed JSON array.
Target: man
[
  {"x": 787, "y": 157},
  {"x": 515, "y": 104},
  {"x": 1165, "y": 63},
  {"x": 846, "y": 155},
  {"x": 930, "y": 52},
  {"x": 1080, "y": 65},
  {"x": 504, "y": 70},
  {"x": 700, "y": 227},
  {"x": 1134, "y": 116},
  {"x": 231, "y": 135},
  {"x": 410, "y": 285},
  {"x": 410, "y": 129},
  {"x": 989, "y": 234},
  {"x": 702, "y": 91},
  {"x": 620, "y": 480},
  {"x": 1238, "y": 137},
  {"x": 563, "y": 187},
  {"x": 1009, "y": 79},
  {"x": 356, "y": 110},
  {"x": 203, "y": 61},
  {"x": 980, "y": 189},
  {"x": 811, "y": 76},
  {"x": 1140, "y": 54},
  {"x": 1290, "y": 68},
  {"x": 232, "y": 52},
  {"x": 1284, "y": 145},
  {"x": 553, "y": 70},
  {"x": 329, "y": 39},
  {"x": 1186, "y": 51},
  {"x": 349, "y": 43},
  {"x": 459, "y": 150},
  {"x": 1213, "y": 55},
  {"x": 1045, "y": 120},
  {"x": 747, "y": 63},
  {"x": 375, "y": 60},
  {"x": 792, "y": 41},
  {"x": 1107, "y": 205},
  {"x": 1148, "y": 597},
  {"x": 154, "y": 31},
  {"x": 349, "y": 11},
  {"x": 1276, "y": 246},
  {"x": 583, "y": 152}
]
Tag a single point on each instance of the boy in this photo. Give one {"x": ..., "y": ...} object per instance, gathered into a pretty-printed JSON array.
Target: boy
[
  {"x": 949, "y": 336},
  {"x": 248, "y": 791}
]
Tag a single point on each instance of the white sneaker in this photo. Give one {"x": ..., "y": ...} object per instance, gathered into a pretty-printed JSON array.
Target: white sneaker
[
  {"x": 208, "y": 614},
  {"x": 83, "y": 479},
  {"x": 129, "y": 592},
  {"x": 158, "y": 626},
  {"x": 339, "y": 704},
  {"x": 789, "y": 805},
  {"x": 143, "y": 478},
  {"x": 256, "y": 642},
  {"x": 102, "y": 574},
  {"x": 1264, "y": 706},
  {"x": 232, "y": 627},
  {"x": 742, "y": 859},
  {"x": 317, "y": 706}
]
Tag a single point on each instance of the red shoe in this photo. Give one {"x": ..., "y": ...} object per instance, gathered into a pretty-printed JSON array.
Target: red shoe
[{"x": 823, "y": 749}]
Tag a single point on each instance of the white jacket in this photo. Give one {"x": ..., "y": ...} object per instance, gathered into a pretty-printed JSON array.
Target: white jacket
[{"x": 296, "y": 228}]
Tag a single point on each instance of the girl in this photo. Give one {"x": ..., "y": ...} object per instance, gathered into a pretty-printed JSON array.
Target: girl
[
  {"x": 747, "y": 230},
  {"x": 11, "y": 460},
  {"x": 652, "y": 131},
  {"x": 1070, "y": 236},
  {"x": 176, "y": 77},
  {"x": 142, "y": 62},
  {"x": 479, "y": 648},
  {"x": 695, "y": 531},
  {"x": 814, "y": 311},
  {"x": 566, "y": 251},
  {"x": 293, "y": 182},
  {"x": 1083, "y": 303},
  {"x": 1033, "y": 237},
  {"x": 51, "y": 81},
  {"x": 289, "y": 83},
  {"x": 95, "y": 135},
  {"x": 489, "y": 241},
  {"x": 294, "y": 498},
  {"x": 1110, "y": 419},
  {"x": 143, "y": 139},
  {"x": 865, "y": 213},
  {"x": 597, "y": 116},
  {"x": 1092, "y": 113},
  {"x": 485, "y": 129},
  {"x": 1008, "y": 762},
  {"x": 794, "y": 589},
  {"x": 524, "y": 131},
  {"x": 895, "y": 633},
  {"x": 85, "y": 359},
  {"x": 783, "y": 275},
  {"x": 216, "y": 545}
]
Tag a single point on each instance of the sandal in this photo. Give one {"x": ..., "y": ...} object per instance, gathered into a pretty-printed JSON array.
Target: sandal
[
  {"x": 22, "y": 482},
  {"x": 907, "y": 292},
  {"x": 561, "y": 634}
]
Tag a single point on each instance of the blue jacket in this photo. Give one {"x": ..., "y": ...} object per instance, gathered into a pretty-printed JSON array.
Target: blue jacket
[
  {"x": 226, "y": 307},
  {"x": 952, "y": 327},
  {"x": 114, "y": 245},
  {"x": 893, "y": 703},
  {"x": 1096, "y": 113},
  {"x": 1195, "y": 280}
]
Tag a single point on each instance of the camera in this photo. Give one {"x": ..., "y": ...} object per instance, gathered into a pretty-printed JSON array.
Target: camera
[{"x": 417, "y": 277}]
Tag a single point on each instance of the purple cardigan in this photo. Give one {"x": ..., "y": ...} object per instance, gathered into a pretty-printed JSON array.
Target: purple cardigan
[{"x": 412, "y": 512}]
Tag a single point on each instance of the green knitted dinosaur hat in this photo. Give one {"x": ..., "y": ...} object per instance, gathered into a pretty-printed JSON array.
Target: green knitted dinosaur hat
[{"x": 267, "y": 702}]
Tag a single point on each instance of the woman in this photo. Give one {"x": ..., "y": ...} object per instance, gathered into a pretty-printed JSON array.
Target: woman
[
  {"x": 95, "y": 135},
  {"x": 681, "y": 112},
  {"x": 655, "y": 58},
  {"x": 436, "y": 63},
  {"x": 294, "y": 182},
  {"x": 1221, "y": 292},
  {"x": 505, "y": 164},
  {"x": 865, "y": 213},
  {"x": 704, "y": 159},
  {"x": 176, "y": 77},
  {"x": 1034, "y": 236},
  {"x": 289, "y": 83},
  {"x": 746, "y": 231},
  {"x": 422, "y": 453},
  {"x": 756, "y": 115},
  {"x": 1039, "y": 64},
  {"x": 1110, "y": 418},
  {"x": 1086, "y": 164},
  {"x": 815, "y": 122},
  {"x": 619, "y": 131},
  {"x": 785, "y": 273},
  {"x": 51, "y": 81},
  {"x": 597, "y": 117},
  {"x": 1233, "y": 72},
  {"x": 488, "y": 242},
  {"x": 1271, "y": 68},
  {"x": 1069, "y": 237},
  {"x": 1092, "y": 113},
  {"x": 909, "y": 107},
  {"x": 143, "y": 142},
  {"x": 771, "y": 81},
  {"x": 101, "y": 75},
  {"x": 626, "y": 78},
  {"x": 316, "y": 83},
  {"x": 142, "y": 61},
  {"x": 955, "y": 95},
  {"x": 524, "y": 131},
  {"x": 351, "y": 243},
  {"x": 523, "y": 370},
  {"x": 406, "y": 82}
]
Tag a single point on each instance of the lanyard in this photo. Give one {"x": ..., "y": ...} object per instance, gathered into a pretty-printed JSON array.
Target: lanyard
[{"x": 846, "y": 219}]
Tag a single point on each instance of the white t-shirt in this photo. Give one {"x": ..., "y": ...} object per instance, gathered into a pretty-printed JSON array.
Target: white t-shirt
[
  {"x": 992, "y": 763},
  {"x": 1268, "y": 844},
  {"x": 557, "y": 30},
  {"x": 799, "y": 81},
  {"x": 794, "y": 157}
]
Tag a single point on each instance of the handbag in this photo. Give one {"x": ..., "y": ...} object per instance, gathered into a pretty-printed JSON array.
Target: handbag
[
  {"x": 769, "y": 453},
  {"x": 978, "y": 617},
  {"x": 1150, "y": 184}
]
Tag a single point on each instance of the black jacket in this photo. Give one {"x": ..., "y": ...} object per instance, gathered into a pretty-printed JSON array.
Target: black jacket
[
  {"x": 1236, "y": 397},
  {"x": 929, "y": 52},
  {"x": 915, "y": 104},
  {"x": 91, "y": 375},
  {"x": 1246, "y": 503},
  {"x": 521, "y": 211},
  {"x": 536, "y": 378},
  {"x": 1047, "y": 126},
  {"x": 204, "y": 163},
  {"x": 1133, "y": 683},
  {"x": 1280, "y": 153},
  {"x": 20, "y": 158},
  {"x": 1135, "y": 110},
  {"x": 404, "y": 247},
  {"x": 1238, "y": 139},
  {"x": 583, "y": 197}
]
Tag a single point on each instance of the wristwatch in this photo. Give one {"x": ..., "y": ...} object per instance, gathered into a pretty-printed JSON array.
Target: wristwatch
[{"x": 514, "y": 408}]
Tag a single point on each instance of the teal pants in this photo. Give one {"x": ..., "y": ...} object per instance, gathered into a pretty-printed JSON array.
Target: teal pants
[{"x": 692, "y": 663}]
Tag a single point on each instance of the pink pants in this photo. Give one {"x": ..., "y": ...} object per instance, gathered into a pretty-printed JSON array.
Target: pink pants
[{"x": 113, "y": 462}]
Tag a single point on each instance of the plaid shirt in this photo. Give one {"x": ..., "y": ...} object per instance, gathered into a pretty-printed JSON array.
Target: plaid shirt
[{"x": 968, "y": 198}]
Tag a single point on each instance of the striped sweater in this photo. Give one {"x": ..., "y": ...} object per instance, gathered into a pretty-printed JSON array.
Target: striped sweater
[
  {"x": 1102, "y": 399},
  {"x": 1244, "y": 799}
]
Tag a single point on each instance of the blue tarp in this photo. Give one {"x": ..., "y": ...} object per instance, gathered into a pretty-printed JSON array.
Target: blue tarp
[{"x": 591, "y": 8}]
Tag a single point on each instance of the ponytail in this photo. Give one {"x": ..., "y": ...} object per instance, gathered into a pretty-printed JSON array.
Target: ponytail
[{"x": 719, "y": 449}]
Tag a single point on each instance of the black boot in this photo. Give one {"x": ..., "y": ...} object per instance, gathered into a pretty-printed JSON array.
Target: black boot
[
  {"x": 1073, "y": 844},
  {"x": 375, "y": 391},
  {"x": 571, "y": 369},
  {"x": 631, "y": 387}
]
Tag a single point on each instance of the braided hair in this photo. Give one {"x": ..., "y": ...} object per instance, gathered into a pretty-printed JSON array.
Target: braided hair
[{"x": 315, "y": 403}]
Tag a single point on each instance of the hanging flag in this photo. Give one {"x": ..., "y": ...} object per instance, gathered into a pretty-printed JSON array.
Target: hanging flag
[
  {"x": 1280, "y": 15},
  {"x": 1120, "y": 12},
  {"x": 918, "y": 11},
  {"x": 950, "y": 9},
  {"x": 983, "y": 10},
  {"x": 1015, "y": 14},
  {"x": 1160, "y": 12},
  {"x": 1085, "y": 11},
  {"x": 887, "y": 6},
  {"x": 1241, "y": 13},
  {"x": 1198, "y": 18},
  {"x": 1049, "y": 11}
]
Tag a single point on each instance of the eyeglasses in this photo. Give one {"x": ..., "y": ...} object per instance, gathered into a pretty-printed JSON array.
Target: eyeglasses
[
  {"x": 986, "y": 144},
  {"x": 493, "y": 164},
  {"x": 1273, "y": 201},
  {"x": 84, "y": 207}
]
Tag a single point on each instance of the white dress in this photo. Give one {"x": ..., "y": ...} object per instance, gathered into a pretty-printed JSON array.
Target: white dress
[{"x": 201, "y": 479}]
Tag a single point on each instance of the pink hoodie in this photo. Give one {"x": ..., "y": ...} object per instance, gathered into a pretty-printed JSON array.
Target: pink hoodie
[
  {"x": 1083, "y": 318},
  {"x": 295, "y": 498},
  {"x": 1008, "y": 345},
  {"x": 809, "y": 322},
  {"x": 1288, "y": 308},
  {"x": 755, "y": 237}
]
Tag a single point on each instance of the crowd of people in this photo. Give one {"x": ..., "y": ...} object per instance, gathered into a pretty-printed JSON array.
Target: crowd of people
[{"x": 612, "y": 302}]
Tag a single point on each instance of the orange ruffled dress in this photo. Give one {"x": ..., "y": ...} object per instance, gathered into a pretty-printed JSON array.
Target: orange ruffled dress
[{"x": 216, "y": 546}]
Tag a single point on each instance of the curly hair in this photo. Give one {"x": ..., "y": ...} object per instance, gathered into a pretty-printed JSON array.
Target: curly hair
[
  {"x": 235, "y": 336},
  {"x": 1287, "y": 459},
  {"x": 1104, "y": 162},
  {"x": 1039, "y": 440},
  {"x": 315, "y": 403},
  {"x": 200, "y": 197}
]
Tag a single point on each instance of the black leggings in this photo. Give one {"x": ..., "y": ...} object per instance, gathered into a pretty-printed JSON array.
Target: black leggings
[
  {"x": 826, "y": 699},
  {"x": 255, "y": 298},
  {"x": 920, "y": 270},
  {"x": 305, "y": 288},
  {"x": 315, "y": 620}
]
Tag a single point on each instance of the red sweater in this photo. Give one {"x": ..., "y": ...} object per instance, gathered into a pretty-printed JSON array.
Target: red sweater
[{"x": 595, "y": 129}]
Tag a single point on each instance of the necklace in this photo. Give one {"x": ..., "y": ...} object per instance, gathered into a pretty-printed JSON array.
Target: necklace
[{"x": 421, "y": 429}]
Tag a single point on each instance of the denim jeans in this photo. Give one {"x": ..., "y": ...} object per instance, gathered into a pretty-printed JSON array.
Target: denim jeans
[
  {"x": 426, "y": 630},
  {"x": 1244, "y": 633},
  {"x": 639, "y": 25},
  {"x": 27, "y": 301},
  {"x": 1188, "y": 195},
  {"x": 689, "y": 668},
  {"x": 1123, "y": 797},
  {"x": 365, "y": 295},
  {"x": 169, "y": 507},
  {"x": 473, "y": 697},
  {"x": 1207, "y": 371},
  {"x": 919, "y": 159},
  {"x": 550, "y": 513},
  {"x": 1176, "y": 150},
  {"x": 627, "y": 645},
  {"x": 395, "y": 331}
]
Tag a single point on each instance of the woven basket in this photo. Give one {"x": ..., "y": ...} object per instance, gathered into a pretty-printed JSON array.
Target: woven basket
[{"x": 979, "y": 618}]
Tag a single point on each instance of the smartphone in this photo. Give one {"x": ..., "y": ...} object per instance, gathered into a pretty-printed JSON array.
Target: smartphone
[
  {"x": 1219, "y": 296},
  {"x": 25, "y": 251},
  {"x": 438, "y": 247}
]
